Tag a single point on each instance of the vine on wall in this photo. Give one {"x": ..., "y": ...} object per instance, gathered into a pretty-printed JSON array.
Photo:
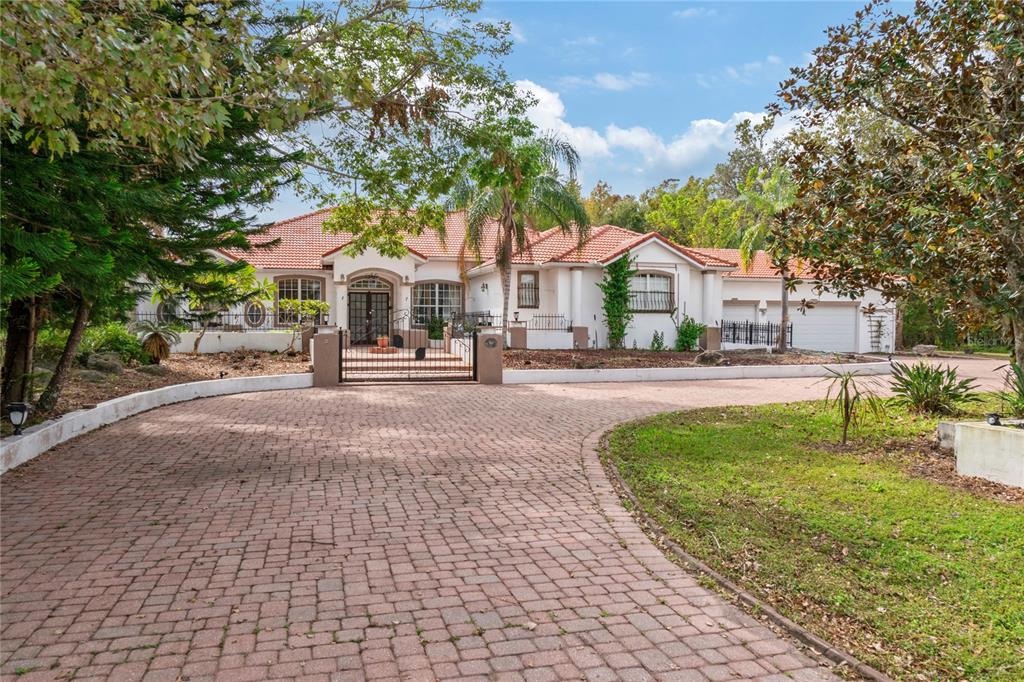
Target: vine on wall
[{"x": 617, "y": 313}]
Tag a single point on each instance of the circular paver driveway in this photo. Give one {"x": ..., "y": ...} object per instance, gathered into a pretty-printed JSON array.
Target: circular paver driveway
[{"x": 395, "y": 532}]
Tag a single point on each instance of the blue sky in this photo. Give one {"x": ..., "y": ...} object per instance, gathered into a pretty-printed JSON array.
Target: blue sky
[{"x": 651, "y": 90}]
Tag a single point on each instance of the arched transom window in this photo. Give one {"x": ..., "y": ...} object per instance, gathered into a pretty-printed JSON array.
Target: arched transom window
[{"x": 369, "y": 284}]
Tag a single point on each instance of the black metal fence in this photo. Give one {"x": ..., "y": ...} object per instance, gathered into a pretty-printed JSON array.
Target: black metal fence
[
  {"x": 755, "y": 333},
  {"x": 253, "y": 320},
  {"x": 474, "y": 320},
  {"x": 453, "y": 359}
]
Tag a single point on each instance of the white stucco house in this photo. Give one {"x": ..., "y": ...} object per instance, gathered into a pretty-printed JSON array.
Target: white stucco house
[{"x": 554, "y": 290}]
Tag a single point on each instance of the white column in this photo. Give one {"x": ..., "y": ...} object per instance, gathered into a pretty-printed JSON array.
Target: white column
[
  {"x": 563, "y": 293},
  {"x": 708, "y": 307},
  {"x": 340, "y": 312},
  {"x": 577, "y": 295}
]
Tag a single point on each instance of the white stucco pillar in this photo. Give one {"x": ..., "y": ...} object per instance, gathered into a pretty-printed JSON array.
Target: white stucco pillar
[
  {"x": 403, "y": 306},
  {"x": 576, "y": 275},
  {"x": 563, "y": 293},
  {"x": 340, "y": 312},
  {"x": 708, "y": 306}
]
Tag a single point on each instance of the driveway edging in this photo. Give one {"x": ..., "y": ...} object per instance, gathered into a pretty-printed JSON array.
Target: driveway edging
[
  {"x": 16, "y": 450},
  {"x": 647, "y": 527}
]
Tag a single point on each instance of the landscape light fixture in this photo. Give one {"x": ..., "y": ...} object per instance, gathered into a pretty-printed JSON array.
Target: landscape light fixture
[
  {"x": 993, "y": 419},
  {"x": 18, "y": 414}
]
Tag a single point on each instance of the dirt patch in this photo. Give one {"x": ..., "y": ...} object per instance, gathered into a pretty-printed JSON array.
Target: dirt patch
[
  {"x": 923, "y": 458},
  {"x": 627, "y": 359},
  {"x": 180, "y": 368}
]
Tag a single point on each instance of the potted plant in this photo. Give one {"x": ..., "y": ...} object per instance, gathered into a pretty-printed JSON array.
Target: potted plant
[
  {"x": 435, "y": 332},
  {"x": 382, "y": 341}
]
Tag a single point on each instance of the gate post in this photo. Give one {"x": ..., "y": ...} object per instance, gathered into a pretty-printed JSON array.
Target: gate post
[
  {"x": 488, "y": 358},
  {"x": 326, "y": 358}
]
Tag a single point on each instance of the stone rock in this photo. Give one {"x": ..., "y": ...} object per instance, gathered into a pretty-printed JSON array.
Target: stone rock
[
  {"x": 105, "y": 362},
  {"x": 91, "y": 375},
  {"x": 709, "y": 358},
  {"x": 155, "y": 370},
  {"x": 946, "y": 432},
  {"x": 925, "y": 349}
]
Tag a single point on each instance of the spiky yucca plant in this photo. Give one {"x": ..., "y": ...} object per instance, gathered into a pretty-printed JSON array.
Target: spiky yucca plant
[{"x": 929, "y": 388}]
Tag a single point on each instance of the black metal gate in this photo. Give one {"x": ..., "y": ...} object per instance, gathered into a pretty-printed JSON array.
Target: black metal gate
[{"x": 407, "y": 356}]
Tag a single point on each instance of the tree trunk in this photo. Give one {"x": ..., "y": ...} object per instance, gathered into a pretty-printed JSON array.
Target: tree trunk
[
  {"x": 784, "y": 327},
  {"x": 48, "y": 400},
  {"x": 22, "y": 324},
  {"x": 199, "y": 337},
  {"x": 506, "y": 286}
]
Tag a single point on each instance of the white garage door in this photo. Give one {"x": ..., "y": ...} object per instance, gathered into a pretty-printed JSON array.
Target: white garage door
[
  {"x": 829, "y": 327},
  {"x": 739, "y": 312}
]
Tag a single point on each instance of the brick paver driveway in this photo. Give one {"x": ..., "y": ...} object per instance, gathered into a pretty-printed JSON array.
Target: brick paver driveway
[{"x": 397, "y": 532}]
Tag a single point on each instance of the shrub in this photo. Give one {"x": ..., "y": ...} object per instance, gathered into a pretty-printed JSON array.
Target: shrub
[
  {"x": 435, "y": 329},
  {"x": 688, "y": 333},
  {"x": 1013, "y": 396},
  {"x": 930, "y": 389},
  {"x": 658, "y": 342},
  {"x": 112, "y": 337},
  {"x": 109, "y": 337}
]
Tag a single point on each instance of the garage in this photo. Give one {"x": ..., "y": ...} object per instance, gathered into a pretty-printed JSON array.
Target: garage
[
  {"x": 826, "y": 327},
  {"x": 739, "y": 311}
]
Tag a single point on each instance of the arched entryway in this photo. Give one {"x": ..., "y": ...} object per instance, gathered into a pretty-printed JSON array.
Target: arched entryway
[{"x": 369, "y": 309}]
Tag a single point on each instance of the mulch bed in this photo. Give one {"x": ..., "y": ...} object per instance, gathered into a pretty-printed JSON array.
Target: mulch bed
[
  {"x": 627, "y": 359},
  {"x": 181, "y": 368}
]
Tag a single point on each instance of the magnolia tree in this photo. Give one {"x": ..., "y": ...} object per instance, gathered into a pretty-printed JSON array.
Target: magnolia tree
[
  {"x": 909, "y": 163},
  {"x": 302, "y": 315}
]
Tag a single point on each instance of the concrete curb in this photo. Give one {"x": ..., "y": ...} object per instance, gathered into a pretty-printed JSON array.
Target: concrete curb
[
  {"x": 573, "y": 376},
  {"x": 37, "y": 439},
  {"x": 653, "y": 533}
]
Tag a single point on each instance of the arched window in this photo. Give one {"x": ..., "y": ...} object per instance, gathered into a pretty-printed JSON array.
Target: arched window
[
  {"x": 651, "y": 292},
  {"x": 369, "y": 284}
]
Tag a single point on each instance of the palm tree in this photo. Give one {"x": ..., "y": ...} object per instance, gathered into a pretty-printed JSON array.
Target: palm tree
[
  {"x": 769, "y": 196},
  {"x": 519, "y": 186},
  {"x": 157, "y": 338}
]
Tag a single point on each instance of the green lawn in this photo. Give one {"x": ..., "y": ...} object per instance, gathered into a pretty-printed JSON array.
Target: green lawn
[{"x": 914, "y": 577}]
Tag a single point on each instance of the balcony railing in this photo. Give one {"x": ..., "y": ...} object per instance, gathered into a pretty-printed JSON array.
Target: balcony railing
[
  {"x": 529, "y": 296},
  {"x": 652, "y": 301},
  {"x": 754, "y": 333}
]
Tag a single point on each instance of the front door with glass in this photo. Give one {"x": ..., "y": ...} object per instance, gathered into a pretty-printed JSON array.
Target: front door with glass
[{"x": 369, "y": 315}]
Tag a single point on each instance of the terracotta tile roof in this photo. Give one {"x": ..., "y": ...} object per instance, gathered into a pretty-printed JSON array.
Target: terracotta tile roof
[
  {"x": 303, "y": 242},
  {"x": 603, "y": 244},
  {"x": 760, "y": 265}
]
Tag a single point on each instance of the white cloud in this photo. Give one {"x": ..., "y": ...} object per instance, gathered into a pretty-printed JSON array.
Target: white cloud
[
  {"x": 695, "y": 13},
  {"x": 609, "y": 81},
  {"x": 745, "y": 73},
  {"x": 516, "y": 32},
  {"x": 548, "y": 114},
  {"x": 582, "y": 41},
  {"x": 704, "y": 140},
  {"x": 638, "y": 151}
]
